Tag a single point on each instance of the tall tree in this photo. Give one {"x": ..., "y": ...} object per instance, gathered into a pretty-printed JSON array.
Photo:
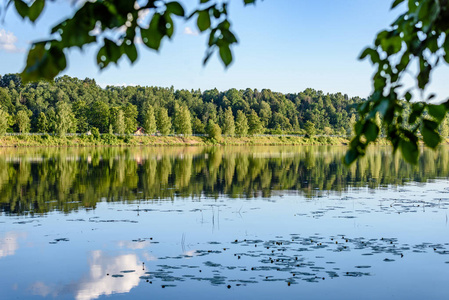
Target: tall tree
[
  {"x": 80, "y": 110},
  {"x": 23, "y": 121},
  {"x": 254, "y": 124},
  {"x": 241, "y": 124},
  {"x": 149, "y": 120},
  {"x": 228, "y": 122},
  {"x": 310, "y": 129},
  {"x": 42, "y": 123},
  {"x": 163, "y": 121},
  {"x": 64, "y": 118},
  {"x": 99, "y": 116},
  {"x": 4, "y": 122},
  {"x": 119, "y": 124},
  {"x": 213, "y": 130},
  {"x": 131, "y": 114},
  {"x": 182, "y": 121},
  {"x": 198, "y": 126}
]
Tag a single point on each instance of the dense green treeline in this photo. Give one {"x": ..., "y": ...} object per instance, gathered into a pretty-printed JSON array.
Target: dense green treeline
[
  {"x": 41, "y": 180},
  {"x": 70, "y": 105}
]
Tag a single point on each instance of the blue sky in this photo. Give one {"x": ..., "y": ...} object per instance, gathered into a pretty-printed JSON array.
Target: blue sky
[{"x": 284, "y": 45}]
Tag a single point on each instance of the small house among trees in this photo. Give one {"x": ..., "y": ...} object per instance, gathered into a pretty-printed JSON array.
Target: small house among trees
[{"x": 139, "y": 131}]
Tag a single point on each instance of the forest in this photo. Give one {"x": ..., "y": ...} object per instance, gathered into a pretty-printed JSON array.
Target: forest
[{"x": 72, "y": 105}]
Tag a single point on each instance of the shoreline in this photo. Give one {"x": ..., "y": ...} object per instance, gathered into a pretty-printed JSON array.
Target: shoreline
[
  {"x": 23, "y": 141},
  {"x": 107, "y": 140}
]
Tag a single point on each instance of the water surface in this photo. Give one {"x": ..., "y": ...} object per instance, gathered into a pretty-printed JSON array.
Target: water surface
[{"x": 233, "y": 222}]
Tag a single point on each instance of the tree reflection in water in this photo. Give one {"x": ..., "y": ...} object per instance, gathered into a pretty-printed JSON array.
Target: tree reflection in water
[{"x": 39, "y": 180}]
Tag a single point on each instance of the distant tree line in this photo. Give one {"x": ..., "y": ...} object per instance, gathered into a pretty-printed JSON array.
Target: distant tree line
[{"x": 71, "y": 105}]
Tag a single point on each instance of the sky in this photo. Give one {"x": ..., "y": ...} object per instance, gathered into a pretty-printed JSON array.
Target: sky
[{"x": 284, "y": 45}]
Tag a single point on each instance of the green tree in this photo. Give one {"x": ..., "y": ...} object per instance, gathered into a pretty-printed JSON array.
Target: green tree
[
  {"x": 23, "y": 121},
  {"x": 198, "y": 126},
  {"x": 228, "y": 123},
  {"x": 99, "y": 115},
  {"x": 95, "y": 133},
  {"x": 352, "y": 122},
  {"x": 415, "y": 36},
  {"x": 182, "y": 121},
  {"x": 131, "y": 114},
  {"x": 328, "y": 131},
  {"x": 241, "y": 124},
  {"x": 150, "y": 120},
  {"x": 119, "y": 123},
  {"x": 265, "y": 113},
  {"x": 80, "y": 110},
  {"x": 42, "y": 123},
  {"x": 310, "y": 129},
  {"x": 444, "y": 128},
  {"x": 4, "y": 122},
  {"x": 213, "y": 130},
  {"x": 163, "y": 121},
  {"x": 254, "y": 124},
  {"x": 65, "y": 118}
]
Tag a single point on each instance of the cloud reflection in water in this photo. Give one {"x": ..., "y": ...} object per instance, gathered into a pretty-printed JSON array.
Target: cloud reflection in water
[
  {"x": 9, "y": 243},
  {"x": 98, "y": 283}
]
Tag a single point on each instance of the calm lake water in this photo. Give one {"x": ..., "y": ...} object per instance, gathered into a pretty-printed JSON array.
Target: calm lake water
[{"x": 224, "y": 222}]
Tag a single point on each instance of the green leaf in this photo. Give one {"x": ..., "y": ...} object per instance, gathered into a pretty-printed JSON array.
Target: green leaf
[
  {"x": 370, "y": 131},
  {"x": 409, "y": 151},
  {"x": 432, "y": 125},
  {"x": 424, "y": 75},
  {"x": 350, "y": 157},
  {"x": 408, "y": 96},
  {"x": 175, "y": 8},
  {"x": 169, "y": 25},
  {"x": 229, "y": 36},
  {"x": 430, "y": 137},
  {"x": 203, "y": 21},
  {"x": 43, "y": 63},
  {"x": 437, "y": 111},
  {"x": 226, "y": 55},
  {"x": 152, "y": 36},
  {"x": 36, "y": 9},
  {"x": 372, "y": 53},
  {"x": 110, "y": 52},
  {"x": 249, "y": 2},
  {"x": 391, "y": 45},
  {"x": 396, "y": 3},
  {"x": 131, "y": 52},
  {"x": 21, "y": 8}
]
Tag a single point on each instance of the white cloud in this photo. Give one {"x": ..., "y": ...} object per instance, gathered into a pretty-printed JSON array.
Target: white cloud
[
  {"x": 41, "y": 289},
  {"x": 190, "y": 31},
  {"x": 98, "y": 283},
  {"x": 134, "y": 245},
  {"x": 99, "y": 280},
  {"x": 9, "y": 243},
  {"x": 8, "y": 41}
]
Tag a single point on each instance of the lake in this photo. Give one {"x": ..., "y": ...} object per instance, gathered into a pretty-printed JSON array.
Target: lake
[{"x": 222, "y": 222}]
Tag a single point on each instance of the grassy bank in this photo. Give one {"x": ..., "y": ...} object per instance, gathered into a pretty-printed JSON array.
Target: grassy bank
[{"x": 110, "y": 140}]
